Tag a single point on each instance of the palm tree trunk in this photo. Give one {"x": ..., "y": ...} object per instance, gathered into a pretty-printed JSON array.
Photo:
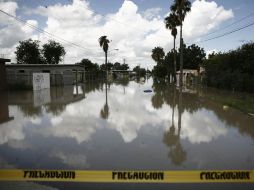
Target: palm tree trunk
[
  {"x": 106, "y": 92},
  {"x": 174, "y": 59},
  {"x": 181, "y": 55},
  {"x": 106, "y": 63}
]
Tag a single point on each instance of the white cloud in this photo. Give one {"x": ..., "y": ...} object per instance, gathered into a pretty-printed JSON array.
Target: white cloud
[
  {"x": 204, "y": 17},
  {"x": 74, "y": 160},
  {"x": 133, "y": 32},
  {"x": 13, "y": 130},
  {"x": 202, "y": 126},
  {"x": 56, "y": 120},
  {"x": 9, "y": 7},
  {"x": 11, "y": 31},
  {"x": 36, "y": 120},
  {"x": 208, "y": 52},
  {"x": 152, "y": 13},
  {"x": 27, "y": 29}
]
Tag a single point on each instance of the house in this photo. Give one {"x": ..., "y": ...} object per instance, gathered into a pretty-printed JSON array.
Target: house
[{"x": 191, "y": 76}]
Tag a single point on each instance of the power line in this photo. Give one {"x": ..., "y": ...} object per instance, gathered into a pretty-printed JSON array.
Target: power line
[
  {"x": 43, "y": 31},
  {"x": 237, "y": 21},
  {"x": 124, "y": 24},
  {"x": 227, "y": 33}
]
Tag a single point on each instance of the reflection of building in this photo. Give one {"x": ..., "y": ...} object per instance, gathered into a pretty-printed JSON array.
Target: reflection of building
[
  {"x": 65, "y": 74},
  {"x": 4, "y": 109},
  {"x": 120, "y": 74},
  {"x": 54, "y": 100},
  {"x": 41, "y": 97},
  {"x": 61, "y": 95}
]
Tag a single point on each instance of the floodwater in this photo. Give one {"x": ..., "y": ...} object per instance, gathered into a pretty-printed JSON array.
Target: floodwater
[{"x": 120, "y": 127}]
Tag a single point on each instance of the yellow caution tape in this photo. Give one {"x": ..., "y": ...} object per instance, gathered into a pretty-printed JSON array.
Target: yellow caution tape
[{"x": 206, "y": 176}]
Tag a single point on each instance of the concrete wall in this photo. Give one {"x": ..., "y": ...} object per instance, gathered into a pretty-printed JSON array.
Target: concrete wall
[{"x": 59, "y": 74}]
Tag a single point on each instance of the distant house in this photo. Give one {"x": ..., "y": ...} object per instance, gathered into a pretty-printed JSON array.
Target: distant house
[{"x": 191, "y": 76}]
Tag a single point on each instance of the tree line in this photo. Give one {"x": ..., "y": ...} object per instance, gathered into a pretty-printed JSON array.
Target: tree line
[
  {"x": 232, "y": 70},
  {"x": 29, "y": 52},
  {"x": 95, "y": 67},
  {"x": 193, "y": 57}
]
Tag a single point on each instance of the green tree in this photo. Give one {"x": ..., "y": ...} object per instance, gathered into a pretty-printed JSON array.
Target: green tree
[
  {"x": 103, "y": 41},
  {"x": 117, "y": 66},
  {"x": 139, "y": 71},
  {"x": 233, "y": 70},
  {"x": 171, "y": 22},
  {"x": 160, "y": 71},
  {"x": 105, "y": 67},
  {"x": 53, "y": 52},
  {"x": 89, "y": 65},
  {"x": 28, "y": 52},
  {"x": 158, "y": 54},
  {"x": 180, "y": 8},
  {"x": 194, "y": 57},
  {"x": 124, "y": 66}
]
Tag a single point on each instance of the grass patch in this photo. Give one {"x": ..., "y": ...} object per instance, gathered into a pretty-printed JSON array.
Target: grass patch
[{"x": 240, "y": 101}]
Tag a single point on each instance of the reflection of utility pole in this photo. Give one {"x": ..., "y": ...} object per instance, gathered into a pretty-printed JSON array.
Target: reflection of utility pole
[
  {"x": 84, "y": 75},
  {"x": 174, "y": 101},
  {"x": 180, "y": 111},
  {"x": 139, "y": 71},
  {"x": 108, "y": 61}
]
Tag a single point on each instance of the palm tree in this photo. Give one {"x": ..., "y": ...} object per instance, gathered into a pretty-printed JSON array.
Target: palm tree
[
  {"x": 180, "y": 8},
  {"x": 177, "y": 154},
  {"x": 158, "y": 54},
  {"x": 103, "y": 41},
  {"x": 105, "y": 110},
  {"x": 171, "y": 22}
]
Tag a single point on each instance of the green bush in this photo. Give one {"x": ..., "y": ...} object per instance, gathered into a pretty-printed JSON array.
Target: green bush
[{"x": 233, "y": 70}]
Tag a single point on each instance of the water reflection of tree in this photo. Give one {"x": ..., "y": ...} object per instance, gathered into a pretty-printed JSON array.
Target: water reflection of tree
[
  {"x": 172, "y": 139},
  {"x": 55, "y": 109},
  {"x": 163, "y": 95},
  {"x": 30, "y": 110},
  {"x": 105, "y": 110},
  {"x": 123, "y": 82},
  {"x": 159, "y": 94},
  {"x": 93, "y": 86}
]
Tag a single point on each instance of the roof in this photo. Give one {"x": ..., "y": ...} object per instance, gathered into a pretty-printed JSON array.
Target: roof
[
  {"x": 2, "y": 60},
  {"x": 188, "y": 71},
  {"x": 44, "y": 66}
]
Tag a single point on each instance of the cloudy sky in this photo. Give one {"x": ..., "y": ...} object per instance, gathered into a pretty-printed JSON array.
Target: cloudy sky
[{"x": 135, "y": 27}]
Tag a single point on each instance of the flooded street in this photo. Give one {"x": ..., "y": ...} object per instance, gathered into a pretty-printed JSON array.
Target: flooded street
[{"x": 121, "y": 127}]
